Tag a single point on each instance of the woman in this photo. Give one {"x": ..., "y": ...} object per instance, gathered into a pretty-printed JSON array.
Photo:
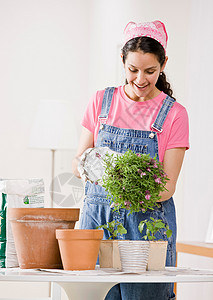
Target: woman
[{"x": 142, "y": 115}]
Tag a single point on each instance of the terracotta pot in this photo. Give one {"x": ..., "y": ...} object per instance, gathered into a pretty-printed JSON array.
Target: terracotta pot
[
  {"x": 134, "y": 255},
  {"x": 79, "y": 247},
  {"x": 34, "y": 234},
  {"x": 109, "y": 256},
  {"x": 157, "y": 255}
]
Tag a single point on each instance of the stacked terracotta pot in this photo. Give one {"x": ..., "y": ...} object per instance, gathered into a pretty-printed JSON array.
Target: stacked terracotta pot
[{"x": 35, "y": 231}]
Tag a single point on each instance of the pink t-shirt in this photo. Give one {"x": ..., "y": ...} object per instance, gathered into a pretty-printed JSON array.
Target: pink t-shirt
[{"x": 126, "y": 113}]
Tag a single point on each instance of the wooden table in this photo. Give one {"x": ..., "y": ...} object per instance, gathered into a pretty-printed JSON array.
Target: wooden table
[{"x": 196, "y": 248}]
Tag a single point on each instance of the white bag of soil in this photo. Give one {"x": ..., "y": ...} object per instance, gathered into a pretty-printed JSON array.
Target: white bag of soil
[{"x": 16, "y": 193}]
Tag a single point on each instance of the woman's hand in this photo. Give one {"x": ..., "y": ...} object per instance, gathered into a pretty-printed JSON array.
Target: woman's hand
[
  {"x": 86, "y": 141},
  {"x": 172, "y": 163},
  {"x": 75, "y": 163}
]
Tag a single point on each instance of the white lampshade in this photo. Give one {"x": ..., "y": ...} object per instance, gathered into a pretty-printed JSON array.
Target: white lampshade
[{"x": 54, "y": 126}]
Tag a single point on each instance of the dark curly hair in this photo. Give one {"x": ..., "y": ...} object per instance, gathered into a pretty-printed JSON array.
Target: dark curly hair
[{"x": 149, "y": 45}]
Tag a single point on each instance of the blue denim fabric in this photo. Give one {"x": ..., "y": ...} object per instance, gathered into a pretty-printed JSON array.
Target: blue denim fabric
[
  {"x": 165, "y": 108},
  {"x": 97, "y": 211},
  {"x": 106, "y": 102}
]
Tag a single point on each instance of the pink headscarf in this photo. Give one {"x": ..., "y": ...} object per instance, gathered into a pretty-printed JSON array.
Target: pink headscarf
[{"x": 155, "y": 30}]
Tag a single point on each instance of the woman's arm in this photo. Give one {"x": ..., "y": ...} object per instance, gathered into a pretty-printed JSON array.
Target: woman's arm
[
  {"x": 86, "y": 141},
  {"x": 172, "y": 163}
]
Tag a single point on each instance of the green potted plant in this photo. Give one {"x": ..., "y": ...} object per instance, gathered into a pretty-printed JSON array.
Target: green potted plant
[
  {"x": 133, "y": 181},
  {"x": 109, "y": 256},
  {"x": 158, "y": 248}
]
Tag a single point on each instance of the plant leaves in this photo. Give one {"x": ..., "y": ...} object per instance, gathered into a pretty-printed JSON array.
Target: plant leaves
[
  {"x": 141, "y": 226},
  {"x": 169, "y": 233}
]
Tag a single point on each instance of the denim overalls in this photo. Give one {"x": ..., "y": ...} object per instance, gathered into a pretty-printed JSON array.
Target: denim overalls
[{"x": 97, "y": 211}]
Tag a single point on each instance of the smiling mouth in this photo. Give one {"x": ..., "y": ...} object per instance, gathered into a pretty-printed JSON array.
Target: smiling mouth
[{"x": 140, "y": 87}]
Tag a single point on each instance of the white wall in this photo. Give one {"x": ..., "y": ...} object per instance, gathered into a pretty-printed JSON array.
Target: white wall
[
  {"x": 68, "y": 49},
  {"x": 43, "y": 55},
  {"x": 197, "y": 193}
]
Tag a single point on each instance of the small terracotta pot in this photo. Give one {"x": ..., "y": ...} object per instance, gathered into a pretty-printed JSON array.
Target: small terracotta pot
[
  {"x": 79, "y": 247},
  {"x": 157, "y": 255},
  {"x": 109, "y": 256},
  {"x": 34, "y": 234}
]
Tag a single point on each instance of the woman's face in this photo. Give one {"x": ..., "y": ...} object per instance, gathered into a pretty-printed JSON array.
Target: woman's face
[{"x": 142, "y": 72}]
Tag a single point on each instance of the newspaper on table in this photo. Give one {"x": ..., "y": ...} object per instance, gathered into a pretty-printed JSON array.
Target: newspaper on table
[{"x": 168, "y": 271}]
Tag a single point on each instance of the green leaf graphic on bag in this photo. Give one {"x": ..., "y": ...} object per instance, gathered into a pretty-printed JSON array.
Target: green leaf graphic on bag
[
  {"x": 3, "y": 238},
  {"x": 26, "y": 200}
]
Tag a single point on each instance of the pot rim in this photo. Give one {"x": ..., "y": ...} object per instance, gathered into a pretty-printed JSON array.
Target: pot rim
[
  {"x": 70, "y": 234},
  {"x": 43, "y": 214},
  {"x": 158, "y": 242},
  {"x": 136, "y": 241},
  {"x": 109, "y": 241}
]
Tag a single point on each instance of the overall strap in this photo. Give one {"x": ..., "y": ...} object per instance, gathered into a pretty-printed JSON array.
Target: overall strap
[
  {"x": 162, "y": 114},
  {"x": 106, "y": 103}
]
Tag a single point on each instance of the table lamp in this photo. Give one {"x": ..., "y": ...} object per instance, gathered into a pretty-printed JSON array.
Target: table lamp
[{"x": 54, "y": 128}]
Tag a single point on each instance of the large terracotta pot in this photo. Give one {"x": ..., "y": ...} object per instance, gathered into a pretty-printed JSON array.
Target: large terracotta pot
[
  {"x": 79, "y": 247},
  {"x": 34, "y": 234}
]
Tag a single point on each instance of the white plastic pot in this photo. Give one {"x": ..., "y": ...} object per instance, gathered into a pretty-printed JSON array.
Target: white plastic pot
[{"x": 134, "y": 255}]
